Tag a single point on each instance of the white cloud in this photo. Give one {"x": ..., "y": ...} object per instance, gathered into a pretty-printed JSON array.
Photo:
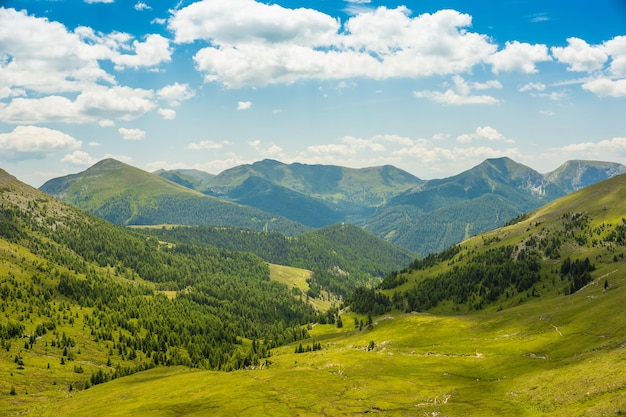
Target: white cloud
[
  {"x": 154, "y": 51},
  {"x": 605, "y": 150},
  {"x": 122, "y": 158},
  {"x": 486, "y": 133},
  {"x": 462, "y": 95},
  {"x": 176, "y": 93},
  {"x": 55, "y": 60},
  {"x": 106, "y": 123},
  {"x": 141, "y": 6},
  {"x": 167, "y": 114},
  {"x": 287, "y": 45},
  {"x": 31, "y": 142},
  {"x": 532, "y": 87},
  {"x": 131, "y": 134},
  {"x": 244, "y": 105},
  {"x": 271, "y": 151},
  {"x": 518, "y": 56},
  {"x": 79, "y": 158},
  {"x": 605, "y": 87},
  {"x": 580, "y": 56},
  {"x": 205, "y": 144},
  {"x": 616, "y": 48},
  {"x": 350, "y": 145},
  {"x": 247, "y": 21},
  {"x": 91, "y": 105},
  {"x": 55, "y": 75},
  {"x": 396, "y": 139},
  {"x": 450, "y": 97}
]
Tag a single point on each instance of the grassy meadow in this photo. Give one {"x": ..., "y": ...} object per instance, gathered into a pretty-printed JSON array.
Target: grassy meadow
[{"x": 559, "y": 357}]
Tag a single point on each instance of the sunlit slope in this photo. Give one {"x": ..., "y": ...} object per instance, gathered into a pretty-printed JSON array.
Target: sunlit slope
[
  {"x": 552, "y": 251},
  {"x": 123, "y": 194},
  {"x": 557, "y": 357},
  {"x": 83, "y": 301},
  {"x": 347, "y": 188}
]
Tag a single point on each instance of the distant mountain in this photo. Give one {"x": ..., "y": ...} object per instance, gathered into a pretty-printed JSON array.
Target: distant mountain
[
  {"x": 346, "y": 188},
  {"x": 280, "y": 201},
  {"x": 127, "y": 195},
  {"x": 438, "y": 213},
  {"x": 422, "y": 216},
  {"x": 574, "y": 175},
  {"x": 190, "y": 178},
  {"x": 551, "y": 251}
]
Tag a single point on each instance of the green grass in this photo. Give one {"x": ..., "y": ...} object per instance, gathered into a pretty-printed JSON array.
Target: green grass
[
  {"x": 558, "y": 357},
  {"x": 296, "y": 278}
]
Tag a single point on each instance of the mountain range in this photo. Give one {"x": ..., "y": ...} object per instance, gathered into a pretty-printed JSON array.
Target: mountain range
[
  {"x": 526, "y": 319},
  {"x": 424, "y": 216}
]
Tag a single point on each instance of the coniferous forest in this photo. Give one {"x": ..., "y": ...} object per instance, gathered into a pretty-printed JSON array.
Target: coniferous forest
[{"x": 146, "y": 302}]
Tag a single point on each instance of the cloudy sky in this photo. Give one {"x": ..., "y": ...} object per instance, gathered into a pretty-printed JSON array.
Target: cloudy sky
[{"x": 430, "y": 86}]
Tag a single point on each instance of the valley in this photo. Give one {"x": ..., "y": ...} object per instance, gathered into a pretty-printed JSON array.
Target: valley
[{"x": 522, "y": 320}]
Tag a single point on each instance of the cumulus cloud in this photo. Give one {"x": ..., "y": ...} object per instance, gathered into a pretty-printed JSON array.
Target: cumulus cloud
[
  {"x": 532, "y": 87},
  {"x": 79, "y": 158},
  {"x": 605, "y": 87},
  {"x": 462, "y": 95},
  {"x": 605, "y": 150},
  {"x": 131, "y": 134},
  {"x": 106, "y": 123},
  {"x": 486, "y": 133},
  {"x": 580, "y": 56},
  {"x": 271, "y": 151},
  {"x": 616, "y": 49},
  {"x": 349, "y": 145},
  {"x": 287, "y": 45},
  {"x": 205, "y": 144},
  {"x": 31, "y": 142},
  {"x": 150, "y": 53},
  {"x": 96, "y": 104},
  {"x": 176, "y": 93},
  {"x": 519, "y": 56},
  {"x": 167, "y": 114},
  {"x": 57, "y": 75},
  {"x": 244, "y": 105}
]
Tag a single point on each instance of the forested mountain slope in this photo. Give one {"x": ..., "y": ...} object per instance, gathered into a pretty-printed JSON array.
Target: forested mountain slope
[
  {"x": 422, "y": 216},
  {"x": 554, "y": 250},
  {"x": 342, "y": 257},
  {"x": 85, "y": 301},
  {"x": 438, "y": 213},
  {"x": 127, "y": 195},
  {"x": 348, "y": 190}
]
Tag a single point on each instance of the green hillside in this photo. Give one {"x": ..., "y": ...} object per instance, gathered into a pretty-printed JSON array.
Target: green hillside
[
  {"x": 554, "y": 250},
  {"x": 347, "y": 188},
  {"x": 126, "y": 195},
  {"x": 548, "y": 358},
  {"x": 280, "y": 201},
  {"x": 190, "y": 178},
  {"x": 439, "y": 213},
  {"x": 84, "y": 302},
  {"x": 553, "y": 349},
  {"x": 342, "y": 257}
]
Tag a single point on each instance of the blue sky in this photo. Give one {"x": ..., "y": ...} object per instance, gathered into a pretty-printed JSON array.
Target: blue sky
[{"x": 432, "y": 87}]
